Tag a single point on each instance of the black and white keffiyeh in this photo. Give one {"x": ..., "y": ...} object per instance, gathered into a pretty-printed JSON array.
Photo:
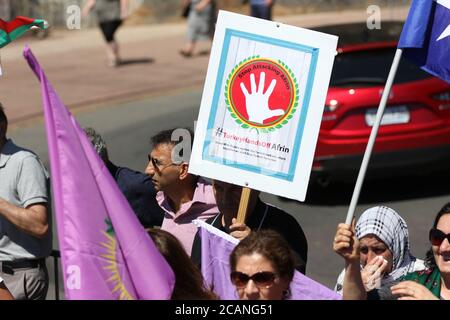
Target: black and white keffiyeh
[{"x": 386, "y": 224}]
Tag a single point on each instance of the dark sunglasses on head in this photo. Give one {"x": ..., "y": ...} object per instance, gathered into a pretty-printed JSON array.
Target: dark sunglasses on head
[
  {"x": 261, "y": 279},
  {"x": 437, "y": 236}
]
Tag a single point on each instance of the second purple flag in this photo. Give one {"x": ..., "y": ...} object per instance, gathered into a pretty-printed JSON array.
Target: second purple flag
[{"x": 106, "y": 253}]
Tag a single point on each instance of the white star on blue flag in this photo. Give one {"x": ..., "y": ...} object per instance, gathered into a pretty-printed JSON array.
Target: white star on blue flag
[
  {"x": 425, "y": 38},
  {"x": 446, "y": 33}
]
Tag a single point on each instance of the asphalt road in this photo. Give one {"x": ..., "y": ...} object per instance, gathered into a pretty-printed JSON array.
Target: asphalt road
[{"x": 128, "y": 126}]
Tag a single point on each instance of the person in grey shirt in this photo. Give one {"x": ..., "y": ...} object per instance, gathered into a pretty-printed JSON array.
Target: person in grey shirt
[
  {"x": 25, "y": 231},
  {"x": 201, "y": 20},
  {"x": 110, "y": 15}
]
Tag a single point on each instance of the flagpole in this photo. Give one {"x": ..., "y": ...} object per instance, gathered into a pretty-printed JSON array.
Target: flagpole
[{"x": 373, "y": 135}]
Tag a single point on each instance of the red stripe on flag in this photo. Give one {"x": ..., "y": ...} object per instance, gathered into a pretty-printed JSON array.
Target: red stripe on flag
[{"x": 14, "y": 24}]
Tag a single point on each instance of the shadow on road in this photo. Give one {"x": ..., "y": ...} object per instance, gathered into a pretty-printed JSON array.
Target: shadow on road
[
  {"x": 203, "y": 53},
  {"x": 381, "y": 191},
  {"x": 125, "y": 62}
]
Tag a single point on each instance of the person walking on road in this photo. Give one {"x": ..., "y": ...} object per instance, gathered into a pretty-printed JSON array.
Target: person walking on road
[
  {"x": 261, "y": 8},
  {"x": 110, "y": 15},
  {"x": 201, "y": 19}
]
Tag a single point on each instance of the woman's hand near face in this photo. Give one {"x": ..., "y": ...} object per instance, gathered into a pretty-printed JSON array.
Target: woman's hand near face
[
  {"x": 347, "y": 245},
  {"x": 372, "y": 273},
  {"x": 345, "y": 242},
  {"x": 410, "y": 290}
]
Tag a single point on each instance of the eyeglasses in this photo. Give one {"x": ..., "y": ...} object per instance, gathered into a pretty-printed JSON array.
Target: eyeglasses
[
  {"x": 261, "y": 279},
  {"x": 437, "y": 236},
  {"x": 155, "y": 163}
]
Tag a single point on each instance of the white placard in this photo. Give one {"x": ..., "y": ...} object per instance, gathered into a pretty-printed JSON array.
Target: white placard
[{"x": 262, "y": 104}]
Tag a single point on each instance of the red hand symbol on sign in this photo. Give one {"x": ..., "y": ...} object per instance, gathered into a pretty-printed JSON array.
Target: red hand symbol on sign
[{"x": 257, "y": 102}]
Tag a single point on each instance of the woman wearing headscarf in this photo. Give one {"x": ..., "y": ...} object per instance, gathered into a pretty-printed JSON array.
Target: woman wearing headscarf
[{"x": 377, "y": 254}]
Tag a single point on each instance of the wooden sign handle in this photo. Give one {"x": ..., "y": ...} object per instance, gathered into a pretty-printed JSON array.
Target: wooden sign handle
[{"x": 243, "y": 205}]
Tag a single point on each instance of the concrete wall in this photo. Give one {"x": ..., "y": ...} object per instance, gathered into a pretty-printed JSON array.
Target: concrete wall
[{"x": 156, "y": 11}]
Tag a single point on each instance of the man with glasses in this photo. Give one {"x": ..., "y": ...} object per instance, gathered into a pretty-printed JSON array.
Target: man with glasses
[{"x": 183, "y": 197}]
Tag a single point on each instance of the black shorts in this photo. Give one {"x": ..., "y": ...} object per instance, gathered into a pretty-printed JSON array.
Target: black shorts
[{"x": 109, "y": 28}]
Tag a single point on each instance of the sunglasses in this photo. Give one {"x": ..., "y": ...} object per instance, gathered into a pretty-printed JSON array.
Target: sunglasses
[
  {"x": 157, "y": 165},
  {"x": 261, "y": 279},
  {"x": 437, "y": 236}
]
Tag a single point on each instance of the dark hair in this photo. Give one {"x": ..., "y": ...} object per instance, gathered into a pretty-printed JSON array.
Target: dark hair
[
  {"x": 3, "y": 117},
  {"x": 165, "y": 137},
  {"x": 97, "y": 142},
  {"x": 271, "y": 245},
  {"x": 429, "y": 260},
  {"x": 189, "y": 283}
]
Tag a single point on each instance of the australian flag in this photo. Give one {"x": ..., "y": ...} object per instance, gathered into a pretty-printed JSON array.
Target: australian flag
[{"x": 425, "y": 38}]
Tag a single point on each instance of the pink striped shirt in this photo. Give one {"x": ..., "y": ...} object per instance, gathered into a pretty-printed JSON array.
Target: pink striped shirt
[{"x": 202, "y": 206}]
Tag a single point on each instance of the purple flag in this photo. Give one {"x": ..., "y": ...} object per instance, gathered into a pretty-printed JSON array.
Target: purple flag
[
  {"x": 216, "y": 250},
  {"x": 106, "y": 253}
]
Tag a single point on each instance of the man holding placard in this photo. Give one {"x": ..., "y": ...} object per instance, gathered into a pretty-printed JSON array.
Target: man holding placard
[{"x": 260, "y": 215}]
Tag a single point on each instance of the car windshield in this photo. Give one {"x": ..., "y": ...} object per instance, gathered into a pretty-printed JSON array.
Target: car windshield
[
  {"x": 358, "y": 33},
  {"x": 371, "y": 67},
  {"x": 368, "y": 67}
]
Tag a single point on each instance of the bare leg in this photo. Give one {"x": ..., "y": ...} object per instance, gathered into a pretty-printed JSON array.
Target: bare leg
[
  {"x": 112, "y": 52},
  {"x": 188, "y": 49}
]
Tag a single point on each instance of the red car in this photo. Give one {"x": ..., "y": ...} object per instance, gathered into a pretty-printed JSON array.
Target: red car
[{"x": 415, "y": 131}]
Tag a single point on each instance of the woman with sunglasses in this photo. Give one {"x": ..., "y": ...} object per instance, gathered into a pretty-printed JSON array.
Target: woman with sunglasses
[
  {"x": 262, "y": 266},
  {"x": 434, "y": 282}
]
